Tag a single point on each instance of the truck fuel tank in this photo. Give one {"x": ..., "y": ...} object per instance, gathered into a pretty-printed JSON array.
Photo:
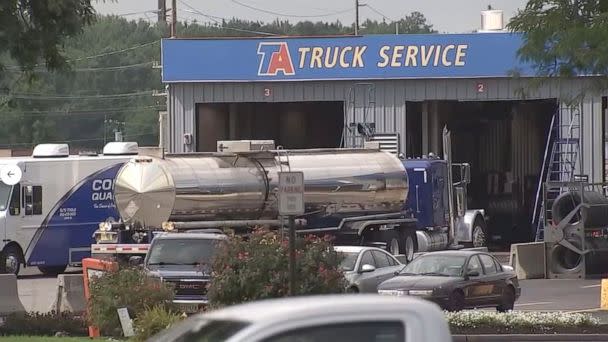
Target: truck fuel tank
[{"x": 242, "y": 186}]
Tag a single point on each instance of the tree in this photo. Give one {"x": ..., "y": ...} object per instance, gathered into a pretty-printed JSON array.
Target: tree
[
  {"x": 563, "y": 38},
  {"x": 32, "y": 30}
]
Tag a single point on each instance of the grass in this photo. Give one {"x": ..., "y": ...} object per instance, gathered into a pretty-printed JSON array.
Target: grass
[{"x": 42, "y": 339}]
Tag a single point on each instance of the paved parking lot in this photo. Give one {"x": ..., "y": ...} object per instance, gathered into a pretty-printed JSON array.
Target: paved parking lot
[{"x": 37, "y": 293}]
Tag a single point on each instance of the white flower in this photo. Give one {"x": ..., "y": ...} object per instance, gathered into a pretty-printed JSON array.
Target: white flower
[{"x": 519, "y": 319}]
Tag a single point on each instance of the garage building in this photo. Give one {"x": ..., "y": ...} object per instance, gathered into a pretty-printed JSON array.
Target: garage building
[{"x": 312, "y": 92}]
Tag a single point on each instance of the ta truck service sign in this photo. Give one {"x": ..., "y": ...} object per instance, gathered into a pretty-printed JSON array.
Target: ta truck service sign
[{"x": 343, "y": 58}]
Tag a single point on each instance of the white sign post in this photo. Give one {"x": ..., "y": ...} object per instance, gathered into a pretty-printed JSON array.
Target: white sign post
[
  {"x": 291, "y": 202},
  {"x": 291, "y": 193},
  {"x": 125, "y": 322}
]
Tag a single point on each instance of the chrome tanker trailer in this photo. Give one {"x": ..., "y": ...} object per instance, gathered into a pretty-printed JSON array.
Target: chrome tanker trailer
[{"x": 360, "y": 196}]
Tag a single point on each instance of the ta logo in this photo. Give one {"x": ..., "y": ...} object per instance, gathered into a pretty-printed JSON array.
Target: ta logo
[{"x": 274, "y": 59}]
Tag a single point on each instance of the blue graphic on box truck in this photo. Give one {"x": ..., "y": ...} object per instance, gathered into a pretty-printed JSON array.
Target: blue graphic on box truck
[{"x": 66, "y": 234}]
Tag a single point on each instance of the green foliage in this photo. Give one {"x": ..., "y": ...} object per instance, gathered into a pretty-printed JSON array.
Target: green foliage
[
  {"x": 563, "y": 38},
  {"x": 34, "y": 30},
  {"x": 257, "y": 268},
  {"x": 153, "y": 321},
  {"x": 115, "y": 56},
  {"x": 127, "y": 288},
  {"x": 44, "y": 324}
]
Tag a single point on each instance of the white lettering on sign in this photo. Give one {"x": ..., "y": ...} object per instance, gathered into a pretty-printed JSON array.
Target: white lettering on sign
[
  {"x": 291, "y": 193},
  {"x": 102, "y": 189},
  {"x": 67, "y": 213}
]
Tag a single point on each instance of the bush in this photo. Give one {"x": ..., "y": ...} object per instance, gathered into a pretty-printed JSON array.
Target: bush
[
  {"x": 520, "y": 322},
  {"x": 258, "y": 268},
  {"x": 127, "y": 288},
  {"x": 153, "y": 321},
  {"x": 44, "y": 324}
]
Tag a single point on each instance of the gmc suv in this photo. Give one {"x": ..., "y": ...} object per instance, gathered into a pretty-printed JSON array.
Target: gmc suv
[{"x": 184, "y": 259}]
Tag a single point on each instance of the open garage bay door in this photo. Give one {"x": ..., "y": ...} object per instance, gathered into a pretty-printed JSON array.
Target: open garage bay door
[{"x": 289, "y": 124}]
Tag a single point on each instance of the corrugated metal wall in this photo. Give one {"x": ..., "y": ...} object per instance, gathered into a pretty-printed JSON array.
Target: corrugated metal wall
[{"x": 390, "y": 98}]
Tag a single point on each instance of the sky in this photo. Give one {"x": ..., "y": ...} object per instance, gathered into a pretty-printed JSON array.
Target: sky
[{"x": 446, "y": 16}]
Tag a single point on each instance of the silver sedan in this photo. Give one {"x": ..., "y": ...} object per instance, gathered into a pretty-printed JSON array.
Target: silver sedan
[{"x": 366, "y": 267}]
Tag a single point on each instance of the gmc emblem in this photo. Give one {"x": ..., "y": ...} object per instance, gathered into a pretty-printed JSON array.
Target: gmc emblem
[{"x": 190, "y": 286}]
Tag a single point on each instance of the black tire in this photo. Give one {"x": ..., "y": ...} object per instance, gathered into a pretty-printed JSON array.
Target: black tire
[
  {"x": 393, "y": 244},
  {"x": 456, "y": 301},
  {"x": 352, "y": 289},
  {"x": 52, "y": 270},
  {"x": 409, "y": 243},
  {"x": 479, "y": 234},
  {"x": 12, "y": 259},
  {"x": 508, "y": 300}
]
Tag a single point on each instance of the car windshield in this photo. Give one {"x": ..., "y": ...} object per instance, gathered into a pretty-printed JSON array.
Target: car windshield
[
  {"x": 349, "y": 261},
  {"x": 437, "y": 265},
  {"x": 5, "y": 193},
  {"x": 182, "y": 252}
]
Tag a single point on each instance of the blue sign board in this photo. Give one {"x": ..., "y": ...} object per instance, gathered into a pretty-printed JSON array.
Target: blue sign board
[{"x": 343, "y": 58}]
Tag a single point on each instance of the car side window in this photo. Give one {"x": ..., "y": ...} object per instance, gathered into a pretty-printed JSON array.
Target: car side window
[
  {"x": 488, "y": 264},
  {"x": 377, "y": 331},
  {"x": 498, "y": 265},
  {"x": 367, "y": 259},
  {"x": 381, "y": 259},
  {"x": 474, "y": 265}
]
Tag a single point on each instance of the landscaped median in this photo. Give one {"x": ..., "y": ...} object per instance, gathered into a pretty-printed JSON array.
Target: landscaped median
[{"x": 474, "y": 323}]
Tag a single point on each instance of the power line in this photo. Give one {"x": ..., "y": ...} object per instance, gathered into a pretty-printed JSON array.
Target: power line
[
  {"x": 111, "y": 68},
  {"x": 136, "y": 13},
  {"x": 293, "y": 15},
  {"x": 68, "y": 97},
  {"x": 109, "y": 53},
  {"x": 217, "y": 19},
  {"x": 82, "y": 113},
  {"x": 373, "y": 9}
]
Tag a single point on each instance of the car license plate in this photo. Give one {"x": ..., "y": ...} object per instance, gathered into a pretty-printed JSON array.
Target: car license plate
[{"x": 188, "y": 308}]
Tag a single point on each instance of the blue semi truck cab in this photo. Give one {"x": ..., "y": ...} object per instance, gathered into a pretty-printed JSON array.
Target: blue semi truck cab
[{"x": 428, "y": 202}]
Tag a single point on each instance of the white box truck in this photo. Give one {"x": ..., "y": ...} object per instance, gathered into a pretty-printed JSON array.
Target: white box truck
[{"x": 51, "y": 203}]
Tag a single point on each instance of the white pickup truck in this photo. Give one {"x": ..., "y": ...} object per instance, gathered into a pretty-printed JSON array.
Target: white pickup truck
[{"x": 335, "y": 318}]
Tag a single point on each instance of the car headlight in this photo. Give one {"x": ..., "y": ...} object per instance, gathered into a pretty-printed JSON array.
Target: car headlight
[
  {"x": 397, "y": 293},
  {"x": 105, "y": 226},
  {"x": 421, "y": 292}
]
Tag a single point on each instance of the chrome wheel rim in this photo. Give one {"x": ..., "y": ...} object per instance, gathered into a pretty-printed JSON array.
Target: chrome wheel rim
[
  {"x": 12, "y": 264},
  {"x": 409, "y": 248},
  {"x": 479, "y": 237},
  {"x": 394, "y": 247}
]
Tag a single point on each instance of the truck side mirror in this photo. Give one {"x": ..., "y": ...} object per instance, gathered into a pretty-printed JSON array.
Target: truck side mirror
[{"x": 465, "y": 173}]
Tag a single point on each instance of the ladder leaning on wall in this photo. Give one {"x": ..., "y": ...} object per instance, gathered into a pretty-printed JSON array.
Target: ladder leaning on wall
[{"x": 563, "y": 144}]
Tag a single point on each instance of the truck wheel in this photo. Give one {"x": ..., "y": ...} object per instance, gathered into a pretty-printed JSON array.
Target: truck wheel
[
  {"x": 410, "y": 244},
  {"x": 391, "y": 238},
  {"x": 52, "y": 270},
  {"x": 11, "y": 260},
  {"x": 479, "y": 235}
]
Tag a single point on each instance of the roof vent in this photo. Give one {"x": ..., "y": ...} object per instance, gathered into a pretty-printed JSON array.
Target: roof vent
[
  {"x": 492, "y": 21},
  {"x": 51, "y": 151},
  {"x": 119, "y": 148}
]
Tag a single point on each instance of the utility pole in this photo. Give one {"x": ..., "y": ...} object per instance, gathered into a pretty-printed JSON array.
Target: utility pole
[
  {"x": 356, "y": 17},
  {"x": 173, "y": 18},
  {"x": 162, "y": 11}
]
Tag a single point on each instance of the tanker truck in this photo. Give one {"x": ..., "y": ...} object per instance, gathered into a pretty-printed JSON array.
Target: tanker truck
[{"x": 361, "y": 196}]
